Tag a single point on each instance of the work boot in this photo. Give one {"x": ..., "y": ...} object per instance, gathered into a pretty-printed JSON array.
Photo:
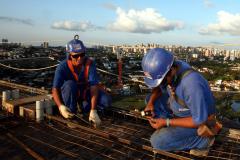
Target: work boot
[{"x": 204, "y": 151}]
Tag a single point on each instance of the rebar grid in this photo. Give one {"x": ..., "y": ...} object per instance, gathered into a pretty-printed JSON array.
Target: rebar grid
[
  {"x": 227, "y": 145},
  {"x": 122, "y": 136}
]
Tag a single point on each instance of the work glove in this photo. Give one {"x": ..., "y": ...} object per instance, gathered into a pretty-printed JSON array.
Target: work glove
[
  {"x": 65, "y": 111},
  {"x": 93, "y": 116}
]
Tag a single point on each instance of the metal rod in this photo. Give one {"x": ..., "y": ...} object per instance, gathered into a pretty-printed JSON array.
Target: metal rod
[
  {"x": 113, "y": 143},
  {"x": 113, "y": 129},
  {"x": 122, "y": 140},
  {"x": 68, "y": 153},
  {"x": 25, "y": 147},
  {"x": 85, "y": 140},
  {"x": 103, "y": 138},
  {"x": 79, "y": 117},
  {"x": 238, "y": 155},
  {"x": 90, "y": 149},
  {"x": 124, "y": 127}
]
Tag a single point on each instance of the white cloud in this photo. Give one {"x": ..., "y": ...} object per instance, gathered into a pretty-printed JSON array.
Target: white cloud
[
  {"x": 109, "y": 6},
  {"x": 74, "y": 26},
  {"x": 227, "y": 23},
  {"x": 17, "y": 20},
  {"x": 208, "y": 4},
  {"x": 142, "y": 21}
]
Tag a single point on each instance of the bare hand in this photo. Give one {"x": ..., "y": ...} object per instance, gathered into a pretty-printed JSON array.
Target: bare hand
[
  {"x": 150, "y": 107},
  {"x": 157, "y": 123}
]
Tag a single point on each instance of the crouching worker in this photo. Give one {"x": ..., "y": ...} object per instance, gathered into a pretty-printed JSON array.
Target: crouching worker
[
  {"x": 76, "y": 84},
  {"x": 182, "y": 105}
]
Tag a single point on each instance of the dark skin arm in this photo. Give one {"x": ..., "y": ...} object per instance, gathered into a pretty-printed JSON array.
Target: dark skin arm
[
  {"x": 186, "y": 122},
  {"x": 56, "y": 93},
  {"x": 94, "y": 96},
  {"x": 156, "y": 92}
]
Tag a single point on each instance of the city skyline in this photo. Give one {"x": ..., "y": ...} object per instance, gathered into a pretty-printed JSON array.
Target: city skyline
[{"x": 188, "y": 22}]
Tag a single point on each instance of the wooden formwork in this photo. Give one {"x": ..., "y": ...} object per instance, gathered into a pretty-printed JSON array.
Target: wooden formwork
[
  {"x": 12, "y": 106},
  {"x": 28, "y": 111}
]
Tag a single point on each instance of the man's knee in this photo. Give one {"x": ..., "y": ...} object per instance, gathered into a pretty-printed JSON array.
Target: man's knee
[
  {"x": 70, "y": 84},
  {"x": 160, "y": 139},
  {"x": 69, "y": 94},
  {"x": 105, "y": 100},
  {"x": 69, "y": 88}
]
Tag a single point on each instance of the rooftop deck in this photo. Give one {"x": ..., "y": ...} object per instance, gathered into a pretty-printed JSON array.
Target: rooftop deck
[{"x": 123, "y": 135}]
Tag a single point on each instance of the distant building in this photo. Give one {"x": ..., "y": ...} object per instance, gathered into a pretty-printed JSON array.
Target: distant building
[
  {"x": 45, "y": 45},
  {"x": 4, "y": 40},
  {"x": 195, "y": 55}
]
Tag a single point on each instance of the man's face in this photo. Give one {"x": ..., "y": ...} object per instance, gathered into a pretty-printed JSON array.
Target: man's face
[
  {"x": 77, "y": 58},
  {"x": 169, "y": 77}
]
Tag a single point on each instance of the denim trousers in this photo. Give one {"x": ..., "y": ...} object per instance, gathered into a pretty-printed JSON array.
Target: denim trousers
[
  {"x": 174, "y": 138},
  {"x": 69, "y": 92}
]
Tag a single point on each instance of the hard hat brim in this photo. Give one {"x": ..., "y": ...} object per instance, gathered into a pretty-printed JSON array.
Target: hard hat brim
[{"x": 153, "y": 83}]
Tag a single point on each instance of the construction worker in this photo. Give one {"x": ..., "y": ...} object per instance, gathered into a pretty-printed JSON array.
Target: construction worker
[
  {"x": 181, "y": 103},
  {"x": 75, "y": 84}
]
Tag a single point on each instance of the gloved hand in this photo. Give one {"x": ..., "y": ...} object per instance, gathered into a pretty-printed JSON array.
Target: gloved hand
[
  {"x": 65, "y": 111},
  {"x": 93, "y": 116}
]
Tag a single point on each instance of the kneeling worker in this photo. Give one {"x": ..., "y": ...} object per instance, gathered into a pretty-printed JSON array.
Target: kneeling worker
[
  {"x": 76, "y": 84},
  {"x": 181, "y": 102}
]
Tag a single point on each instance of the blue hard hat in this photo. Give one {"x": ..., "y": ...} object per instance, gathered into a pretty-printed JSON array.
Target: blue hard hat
[
  {"x": 156, "y": 64},
  {"x": 75, "y": 46}
]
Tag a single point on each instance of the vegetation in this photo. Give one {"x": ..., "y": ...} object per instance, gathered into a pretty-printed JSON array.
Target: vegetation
[
  {"x": 129, "y": 102},
  {"x": 226, "y": 111},
  {"x": 223, "y": 104},
  {"x": 221, "y": 70}
]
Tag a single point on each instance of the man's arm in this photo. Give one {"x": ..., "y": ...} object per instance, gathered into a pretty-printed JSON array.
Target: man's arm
[
  {"x": 156, "y": 92},
  {"x": 93, "y": 116},
  {"x": 94, "y": 96},
  {"x": 186, "y": 122},
  {"x": 64, "y": 110},
  {"x": 93, "y": 81},
  {"x": 57, "y": 96}
]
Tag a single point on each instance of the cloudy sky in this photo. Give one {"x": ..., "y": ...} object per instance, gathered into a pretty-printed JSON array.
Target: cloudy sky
[{"x": 179, "y": 22}]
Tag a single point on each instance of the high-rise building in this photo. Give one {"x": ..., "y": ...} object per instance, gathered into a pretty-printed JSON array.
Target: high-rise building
[
  {"x": 45, "y": 45},
  {"x": 4, "y": 40}
]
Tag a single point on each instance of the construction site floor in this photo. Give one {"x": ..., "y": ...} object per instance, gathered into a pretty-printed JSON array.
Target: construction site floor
[{"x": 121, "y": 136}]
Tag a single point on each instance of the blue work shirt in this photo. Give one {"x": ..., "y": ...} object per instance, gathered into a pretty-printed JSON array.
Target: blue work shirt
[
  {"x": 194, "y": 90},
  {"x": 63, "y": 74}
]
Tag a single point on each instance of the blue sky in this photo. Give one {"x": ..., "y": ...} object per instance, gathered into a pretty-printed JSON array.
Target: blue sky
[{"x": 178, "y": 22}]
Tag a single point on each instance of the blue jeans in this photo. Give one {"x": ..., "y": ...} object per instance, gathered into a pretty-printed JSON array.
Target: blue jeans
[
  {"x": 178, "y": 138},
  {"x": 174, "y": 138},
  {"x": 70, "y": 97}
]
